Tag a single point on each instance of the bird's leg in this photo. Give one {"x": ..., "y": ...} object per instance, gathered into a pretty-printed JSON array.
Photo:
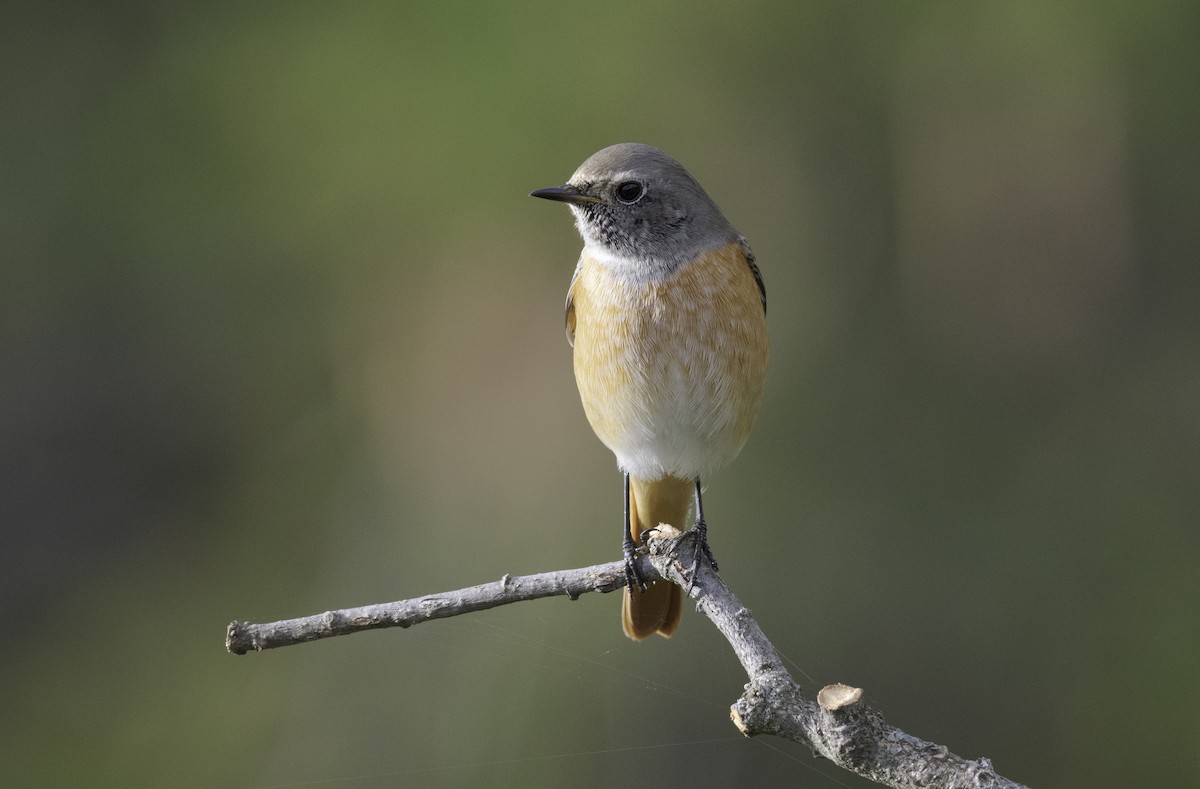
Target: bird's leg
[
  {"x": 629, "y": 548},
  {"x": 701, "y": 550}
]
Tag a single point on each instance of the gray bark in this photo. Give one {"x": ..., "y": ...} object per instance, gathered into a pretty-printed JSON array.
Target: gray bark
[{"x": 837, "y": 725}]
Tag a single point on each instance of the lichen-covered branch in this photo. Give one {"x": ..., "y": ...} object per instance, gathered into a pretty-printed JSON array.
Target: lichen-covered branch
[{"x": 837, "y": 725}]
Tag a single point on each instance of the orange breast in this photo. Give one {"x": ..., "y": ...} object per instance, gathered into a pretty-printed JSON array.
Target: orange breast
[{"x": 671, "y": 370}]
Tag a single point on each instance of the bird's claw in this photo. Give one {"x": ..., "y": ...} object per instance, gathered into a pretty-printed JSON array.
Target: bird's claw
[
  {"x": 700, "y": 552},
  {"x": 633, "y": 578}
]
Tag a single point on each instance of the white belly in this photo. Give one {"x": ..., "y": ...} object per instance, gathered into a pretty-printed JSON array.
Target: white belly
[{"x": 671, "y": 372}]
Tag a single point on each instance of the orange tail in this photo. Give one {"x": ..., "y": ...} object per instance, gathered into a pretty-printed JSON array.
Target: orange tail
[{"x": 656, "y": 610}]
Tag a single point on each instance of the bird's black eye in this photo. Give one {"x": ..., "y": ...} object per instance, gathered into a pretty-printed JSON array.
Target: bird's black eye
[{"x": 629, "y": 192}]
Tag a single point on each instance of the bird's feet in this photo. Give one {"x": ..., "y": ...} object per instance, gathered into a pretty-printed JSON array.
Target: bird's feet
[
  {"x": 633, "y": 578},
  {"x": 700, "y": 552}
]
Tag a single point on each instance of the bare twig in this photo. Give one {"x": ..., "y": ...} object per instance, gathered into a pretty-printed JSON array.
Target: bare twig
[
  {"x": 838, "y": 725},
  {"x": 242, "y": 637}
]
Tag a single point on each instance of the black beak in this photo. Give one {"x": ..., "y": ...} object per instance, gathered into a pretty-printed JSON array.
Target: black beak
[{"x": 564, "y": 194}]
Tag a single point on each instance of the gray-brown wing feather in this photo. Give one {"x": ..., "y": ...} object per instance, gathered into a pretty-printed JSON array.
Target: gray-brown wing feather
[
  {"x": 569, "y": 312},
  {"x": 758, "y": 280}
]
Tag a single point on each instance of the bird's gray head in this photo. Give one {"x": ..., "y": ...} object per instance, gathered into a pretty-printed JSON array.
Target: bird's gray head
[{"x": 637, "y": 203}]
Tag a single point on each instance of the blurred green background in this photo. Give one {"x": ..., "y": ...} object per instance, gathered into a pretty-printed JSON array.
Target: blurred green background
[{"x": 281, "y": 332}]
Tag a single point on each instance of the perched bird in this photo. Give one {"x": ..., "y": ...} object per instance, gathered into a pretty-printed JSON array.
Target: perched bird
[{"x": 666, "y": 314}]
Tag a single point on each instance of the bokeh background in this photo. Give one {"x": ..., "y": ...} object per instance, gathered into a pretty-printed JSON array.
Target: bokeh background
[{"x": 282, "y": 332}]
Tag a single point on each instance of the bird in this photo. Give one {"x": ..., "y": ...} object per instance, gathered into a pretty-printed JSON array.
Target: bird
[{"x": 666, "y": 317}]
